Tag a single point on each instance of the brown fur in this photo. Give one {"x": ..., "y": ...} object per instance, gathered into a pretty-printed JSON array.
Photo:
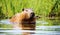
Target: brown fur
[{"x": 22, "y": 21}]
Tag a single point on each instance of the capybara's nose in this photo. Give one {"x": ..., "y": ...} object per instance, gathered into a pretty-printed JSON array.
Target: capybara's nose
[{"x": 33, "y": 14}]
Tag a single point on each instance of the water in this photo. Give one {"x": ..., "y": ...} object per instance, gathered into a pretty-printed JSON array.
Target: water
[
  {"x": 43, "y": 27},
  {"x": 36, "y": 32}
]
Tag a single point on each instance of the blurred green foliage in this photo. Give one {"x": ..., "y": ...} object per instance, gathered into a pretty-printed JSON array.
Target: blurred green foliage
[
  {"x": 40, "y": 7},
  {"x": 5, "y": 25}
]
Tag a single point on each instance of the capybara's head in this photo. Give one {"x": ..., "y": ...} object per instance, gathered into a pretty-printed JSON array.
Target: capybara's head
[{"x": 29, "y": 13}]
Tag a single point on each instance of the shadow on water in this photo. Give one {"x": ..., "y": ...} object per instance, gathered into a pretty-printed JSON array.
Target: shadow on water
[{"x": 43, "y": 27}]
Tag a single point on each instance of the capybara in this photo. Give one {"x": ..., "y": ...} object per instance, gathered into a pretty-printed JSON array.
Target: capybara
[{"x": 25, "y": 20}]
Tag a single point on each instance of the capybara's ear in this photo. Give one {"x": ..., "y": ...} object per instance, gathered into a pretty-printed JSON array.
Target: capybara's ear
[{"x": 23, "y": 9}]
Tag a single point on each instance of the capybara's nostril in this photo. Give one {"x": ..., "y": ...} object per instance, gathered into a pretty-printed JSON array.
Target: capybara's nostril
[{"x": 33, "y": 14}]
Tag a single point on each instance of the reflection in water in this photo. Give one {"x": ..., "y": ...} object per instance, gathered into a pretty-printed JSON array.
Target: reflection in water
[
  {"x": 28, "y": 32},
  {"x": 16, "y": 32},
  {"x": 25, "y": 33}
]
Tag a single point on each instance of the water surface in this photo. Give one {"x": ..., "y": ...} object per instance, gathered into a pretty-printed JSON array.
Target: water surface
[{"x": 43, "y": 27}]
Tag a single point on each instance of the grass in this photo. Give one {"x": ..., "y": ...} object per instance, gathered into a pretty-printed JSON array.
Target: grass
[{"x": 40, "y": 7}]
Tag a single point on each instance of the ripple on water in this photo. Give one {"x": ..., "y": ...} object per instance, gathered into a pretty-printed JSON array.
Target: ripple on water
[{"x": 36, "y": 32}]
